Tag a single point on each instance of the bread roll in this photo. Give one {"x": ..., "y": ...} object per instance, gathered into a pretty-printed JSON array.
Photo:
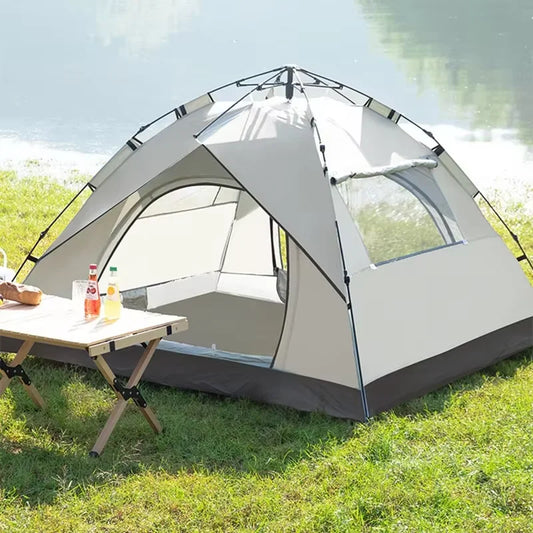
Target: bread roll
[{"x": 25, "y": 294}]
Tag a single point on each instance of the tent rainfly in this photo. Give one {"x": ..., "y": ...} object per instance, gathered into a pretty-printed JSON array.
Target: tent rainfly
[{"x": 327, "y": 251}]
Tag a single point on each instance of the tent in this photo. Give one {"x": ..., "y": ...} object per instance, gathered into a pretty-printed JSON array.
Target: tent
[{"x": 327, "y": 251}]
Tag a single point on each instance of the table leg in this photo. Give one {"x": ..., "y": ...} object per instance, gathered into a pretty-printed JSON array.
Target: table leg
[
  {"x": 151, "y": 419},
  {"x": 123, "y": 394},
  {"x": 14, "y": 369},
  {"x": 33, "y": 393},
  {"x": 114, "y": 417}
]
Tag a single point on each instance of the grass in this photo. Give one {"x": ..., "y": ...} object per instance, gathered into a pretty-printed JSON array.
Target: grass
[
  {"x": 518, "y": 214},
  {"x": 458, "y": 459},
  {"x": 27, "y": 207}
]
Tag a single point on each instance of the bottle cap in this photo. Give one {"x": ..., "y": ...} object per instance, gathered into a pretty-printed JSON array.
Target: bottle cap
[
  {"x": 113, "y": 269},
  {"x": 93, "y": 266}
]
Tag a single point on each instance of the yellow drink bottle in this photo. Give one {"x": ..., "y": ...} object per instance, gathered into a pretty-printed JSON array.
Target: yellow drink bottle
[{"x": 112, "y": 304}]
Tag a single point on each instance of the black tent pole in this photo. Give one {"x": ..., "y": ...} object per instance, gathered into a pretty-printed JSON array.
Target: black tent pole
[
  {"x": 42, "y": 235},
  {"x": 513, "y": 235},
  {"x": 358, "y": 367}
]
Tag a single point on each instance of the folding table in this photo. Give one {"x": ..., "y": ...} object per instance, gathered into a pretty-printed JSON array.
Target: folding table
[{"x": 55, "y": 322}]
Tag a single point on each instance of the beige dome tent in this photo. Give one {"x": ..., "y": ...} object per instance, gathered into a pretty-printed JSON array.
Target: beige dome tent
[{"x": 327, "y": 252}]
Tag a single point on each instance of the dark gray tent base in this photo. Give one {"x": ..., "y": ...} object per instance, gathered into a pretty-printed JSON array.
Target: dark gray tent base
[
  {"x": 307, "y": 394},
  {"x": 426, "y": 376}
]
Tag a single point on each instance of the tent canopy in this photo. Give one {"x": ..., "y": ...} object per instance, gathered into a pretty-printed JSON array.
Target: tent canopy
[{"x": 327, "y": 257}]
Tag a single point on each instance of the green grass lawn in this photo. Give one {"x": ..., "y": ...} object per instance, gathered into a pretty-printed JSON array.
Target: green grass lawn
[{"x": 459, "y": 459}]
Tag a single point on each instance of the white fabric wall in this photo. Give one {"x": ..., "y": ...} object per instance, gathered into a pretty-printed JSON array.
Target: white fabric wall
[
  {"x": 421, "y": 306},
  {"x": 182, "y": 200},
  {"x": 97, "y": 241},
  {"x": 358, "y": 138},
  {"x": 249, "y": 286},
  {"x": 471, "y": 221},
  {"x": 54, "y": 273},
  {"x": 227, "y": 195},
  {"x": 173, "y": 246},
  {"x": 317, "y": 339},
  {"x": 270, "y": 149},
  {"x": 181, "y": 289},
  {"x": 354, "y": 251},
  {"x": 458, "y": 174},
  {"x": 151, "y": 159},
  {"x": 111, "y": 166},
  {"x": 249, "y": 249}
]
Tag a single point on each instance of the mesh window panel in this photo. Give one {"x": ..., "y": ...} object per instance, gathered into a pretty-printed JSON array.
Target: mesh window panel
[{"x": 393, "y": 222}]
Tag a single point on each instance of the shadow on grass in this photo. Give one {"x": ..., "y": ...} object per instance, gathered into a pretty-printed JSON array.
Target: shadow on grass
[{"x": 44, "y": 453}]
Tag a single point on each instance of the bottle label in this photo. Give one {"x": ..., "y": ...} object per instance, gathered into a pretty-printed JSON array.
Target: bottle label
[
  {"x": 112, "y": 294},
  {"x": 92, "y": 290}
]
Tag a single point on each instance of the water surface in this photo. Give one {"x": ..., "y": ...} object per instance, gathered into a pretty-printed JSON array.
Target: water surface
[{"x": 80, "y": 77}]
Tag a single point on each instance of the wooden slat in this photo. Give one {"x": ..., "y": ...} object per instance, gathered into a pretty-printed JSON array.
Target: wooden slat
[
  {"x": 33, "y": 393},
  {"x": 105, "y": 370},
  {"x": 136, "y": 338},
  {"x": 114, "y": 417},
  {"x": 144, "y": 361},
  {"x": 151, "y": 419}
]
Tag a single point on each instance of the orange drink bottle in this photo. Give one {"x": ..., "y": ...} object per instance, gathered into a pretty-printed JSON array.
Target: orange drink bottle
[{"x": 92, "y": 296}]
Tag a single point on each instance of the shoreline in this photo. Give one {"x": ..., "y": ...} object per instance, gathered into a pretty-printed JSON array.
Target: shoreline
[
  {"x": 33, "y": 158},
  {"x": 495, "y": 160}
]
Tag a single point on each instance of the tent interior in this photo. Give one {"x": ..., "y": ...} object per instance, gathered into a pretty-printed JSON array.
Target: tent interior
[{"x": 210, "y": 253}]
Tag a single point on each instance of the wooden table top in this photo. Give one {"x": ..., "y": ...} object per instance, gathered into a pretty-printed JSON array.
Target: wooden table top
[{"x": 55, "y": 322}]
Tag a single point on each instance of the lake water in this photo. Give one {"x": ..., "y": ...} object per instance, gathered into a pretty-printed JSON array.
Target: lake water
[{"x": 78, "y": 78}]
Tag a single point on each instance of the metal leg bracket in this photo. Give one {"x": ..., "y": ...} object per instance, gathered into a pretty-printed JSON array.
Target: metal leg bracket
[
  {"x": 132, "y": 393},
  {"x": 14, "y": 371}
]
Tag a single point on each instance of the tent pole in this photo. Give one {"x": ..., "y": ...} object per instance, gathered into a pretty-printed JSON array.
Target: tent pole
[
  {"x": 258, "y": 87},
  {"x": 513, "y": 235},
  {"x": 358, "y": 368},
  {"x": 42, "y": 235},
  {"x": 246, "y": 79}
]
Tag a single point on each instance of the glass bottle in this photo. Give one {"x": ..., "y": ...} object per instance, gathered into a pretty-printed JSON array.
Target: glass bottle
[
  {"x": 112, "y": 305},
  {"x": 92, "y": 296}
]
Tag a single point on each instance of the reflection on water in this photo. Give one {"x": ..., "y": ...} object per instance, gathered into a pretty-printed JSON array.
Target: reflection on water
[
  {"x": 478, "y": 54},
  {"x": 141, "y": 26},
  {"x": 83, "y": 76}
]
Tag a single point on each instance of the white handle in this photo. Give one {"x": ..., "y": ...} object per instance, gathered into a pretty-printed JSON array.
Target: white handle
[{"x": 389, "y": 169}]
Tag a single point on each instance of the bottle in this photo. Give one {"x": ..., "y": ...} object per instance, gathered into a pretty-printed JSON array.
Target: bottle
[
  {"x": 92, "y": 296},
  {"x": 112, "y": 305}
]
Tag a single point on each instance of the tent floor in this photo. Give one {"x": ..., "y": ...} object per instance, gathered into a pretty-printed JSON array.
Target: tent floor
[
  {"x": 190, "y": 349},
  {"x": 236, "y": 324}
]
